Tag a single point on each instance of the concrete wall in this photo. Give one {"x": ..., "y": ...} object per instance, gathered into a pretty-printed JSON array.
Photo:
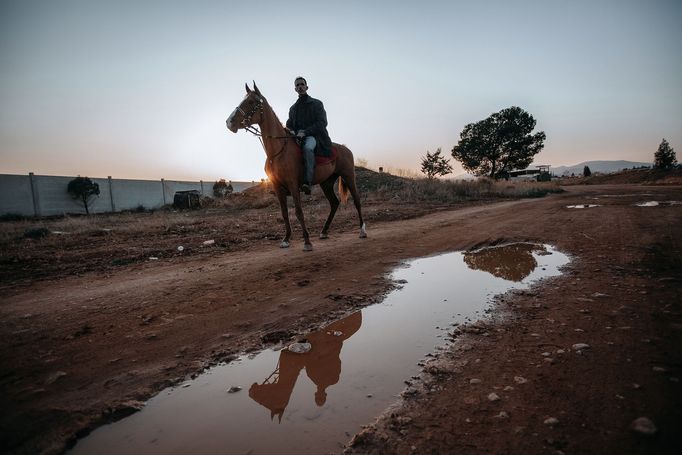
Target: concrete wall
[{"x": 45, "y": 195}]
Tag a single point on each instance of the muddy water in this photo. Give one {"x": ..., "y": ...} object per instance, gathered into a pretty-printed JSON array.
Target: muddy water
[
  {"x": 657, "y": 203},
  {"x": 315, "y": 401}
]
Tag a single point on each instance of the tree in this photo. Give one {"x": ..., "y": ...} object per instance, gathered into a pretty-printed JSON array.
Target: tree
[
  {"x": 664, "y": 158},
  {"x": 221, "y": 188},
  {"x": 433, "y": 164},
  {"x": 586, "y": 171},
  {"x": 84, "y": 189},
  {"x": 502, "y": 142}
]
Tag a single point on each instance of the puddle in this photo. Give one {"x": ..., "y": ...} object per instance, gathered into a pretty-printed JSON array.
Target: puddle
[
  {"x": 582, "y": 206},
  {"x": 657, "y": 203},
  {"x": 313, "y": 402}
]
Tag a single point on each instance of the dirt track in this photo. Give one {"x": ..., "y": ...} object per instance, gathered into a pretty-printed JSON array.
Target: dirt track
[{"x": 79, "y": 350}]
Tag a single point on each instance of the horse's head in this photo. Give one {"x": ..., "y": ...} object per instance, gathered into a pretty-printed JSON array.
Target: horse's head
[{"x": 249, "y": 111}]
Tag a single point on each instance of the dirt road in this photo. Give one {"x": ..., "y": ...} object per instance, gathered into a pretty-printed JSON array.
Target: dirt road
[{"x": 82, "y": 350}]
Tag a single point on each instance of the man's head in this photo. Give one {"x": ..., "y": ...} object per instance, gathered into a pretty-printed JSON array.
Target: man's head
[{"x": 300, "y": 85}]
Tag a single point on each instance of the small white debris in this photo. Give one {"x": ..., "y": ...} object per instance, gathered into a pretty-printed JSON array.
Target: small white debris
[
  {"x": 299, "y": 348},
  {"x": 520, "y": 380},
  {"x": 508, "y": 388},
  {"x": 643, "y": 425},
  {"x": 208, "y": 242},
  {"x": 580, "y": 346},
  {"x": 153, "y": 258},
  {"x": 551, "y": 421},
  {"x": 493, "y": 397},
  {"x": 546, "y": 354},
  {"x": 475, "y": 381},
  {"x": 659, "y": 369},
  {"x": 502, "y": 415},
  {"x": 181, "y": 248}
]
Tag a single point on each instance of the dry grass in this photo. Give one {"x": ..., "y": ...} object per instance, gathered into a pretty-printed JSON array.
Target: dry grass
[{"x": 374, "y": 187}]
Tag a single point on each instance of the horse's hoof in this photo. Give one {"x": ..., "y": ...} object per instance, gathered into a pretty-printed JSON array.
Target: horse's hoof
[
  {"x": 363, "y": 235},
  {"x": 284, "y": 244},
  {"x": 323, "y": 236},
  {"x": 308, "y": 247}
]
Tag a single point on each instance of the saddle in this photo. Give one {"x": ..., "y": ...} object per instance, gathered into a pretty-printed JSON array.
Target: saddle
[{"x": 320, "y": 160}]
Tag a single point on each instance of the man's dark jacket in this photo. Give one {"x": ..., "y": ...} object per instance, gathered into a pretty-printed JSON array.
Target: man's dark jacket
[{"x": 308, "y": 114}]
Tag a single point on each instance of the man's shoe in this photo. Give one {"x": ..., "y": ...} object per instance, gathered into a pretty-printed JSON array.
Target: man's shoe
[{"x": 305, "y": 188}]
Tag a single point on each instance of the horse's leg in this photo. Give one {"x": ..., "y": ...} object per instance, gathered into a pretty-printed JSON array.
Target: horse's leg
[
  {"x": 328, "y": 188},
  {"x": 350, "y": 184},
  {"x": 307, "y": 246},
  {"x": 282, "y": 197}
]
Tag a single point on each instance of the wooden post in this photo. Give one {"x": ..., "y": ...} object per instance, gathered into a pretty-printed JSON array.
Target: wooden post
[
  {"x": 34, "y": 195},
  {"x": 163, "y": 191},
  {"x": 111, "y": 195}
]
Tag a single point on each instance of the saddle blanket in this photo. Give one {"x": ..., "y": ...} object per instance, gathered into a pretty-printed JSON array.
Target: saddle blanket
[{"x": 320, "y": 160}]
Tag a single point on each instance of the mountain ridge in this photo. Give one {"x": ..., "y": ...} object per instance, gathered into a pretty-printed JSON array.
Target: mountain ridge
[{"x": 602, "y": 166}]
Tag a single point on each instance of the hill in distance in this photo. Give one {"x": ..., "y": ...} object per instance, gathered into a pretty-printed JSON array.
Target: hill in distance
[{"x": 605, "y": 167}]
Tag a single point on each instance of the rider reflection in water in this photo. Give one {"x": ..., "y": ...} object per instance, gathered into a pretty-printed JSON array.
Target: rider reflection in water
[
  {"x": 322, "y": 365},
  {"x": 308, "y": 121}
]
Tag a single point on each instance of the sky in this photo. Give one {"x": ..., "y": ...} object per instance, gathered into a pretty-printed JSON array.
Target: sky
[{"x": 141, "y": 89}]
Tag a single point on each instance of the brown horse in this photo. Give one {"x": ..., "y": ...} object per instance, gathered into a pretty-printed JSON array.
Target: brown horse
[{"x": 284, "y": 164}]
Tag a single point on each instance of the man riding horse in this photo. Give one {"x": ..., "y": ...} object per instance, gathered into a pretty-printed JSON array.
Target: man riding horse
[
  {"x": 308, "y": 122},
  {"x": 283, "y": 156}
]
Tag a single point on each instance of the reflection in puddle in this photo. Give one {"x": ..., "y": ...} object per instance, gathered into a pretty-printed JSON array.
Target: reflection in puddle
[
  {"x": 511, "y": 262},
  {"x": 355, "y": 367},
  {"x": 582, "y": 206},
  {"x": 322, "y": 365}
]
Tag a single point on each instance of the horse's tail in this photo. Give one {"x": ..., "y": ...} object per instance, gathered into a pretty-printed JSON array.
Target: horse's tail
[{"x": 343, "y": 190}]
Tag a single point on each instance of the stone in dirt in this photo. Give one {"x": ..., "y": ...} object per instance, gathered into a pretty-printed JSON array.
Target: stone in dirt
[
  {"x": 54, "y": 377},
  {"x": 643, "y": 425},
  {"x": 493, "y": 397},
  {"x": 520, "y": 380},
  {"x": 580, "y": 346},
  {"x": 551, "y": 421}
]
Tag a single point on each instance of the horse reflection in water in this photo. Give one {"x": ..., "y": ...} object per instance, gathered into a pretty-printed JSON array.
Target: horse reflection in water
[
  {"x": 512, "y": 262},
  {"x": 322, "y": 365}
]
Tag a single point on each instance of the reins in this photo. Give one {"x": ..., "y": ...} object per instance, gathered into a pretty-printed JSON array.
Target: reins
[{"x": 256, "y": 132}]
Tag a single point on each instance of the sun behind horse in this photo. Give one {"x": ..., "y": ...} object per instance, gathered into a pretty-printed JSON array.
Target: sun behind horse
[{"x": 284, "y": 164}]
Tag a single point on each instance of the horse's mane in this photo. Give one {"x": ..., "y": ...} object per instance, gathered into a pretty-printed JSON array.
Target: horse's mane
[{"x": 273, "y": 112}]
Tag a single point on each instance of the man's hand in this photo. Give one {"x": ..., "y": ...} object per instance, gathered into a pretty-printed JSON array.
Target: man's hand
[{"x": 300, "y": 134}]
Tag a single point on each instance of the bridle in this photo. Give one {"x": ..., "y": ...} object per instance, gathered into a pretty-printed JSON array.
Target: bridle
[
  {"x": 248, "y": 126},
  {"x": 246, "y": 120}
]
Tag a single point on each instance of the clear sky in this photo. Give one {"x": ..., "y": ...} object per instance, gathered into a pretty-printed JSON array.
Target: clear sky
[{"x": 141, "y": 89}]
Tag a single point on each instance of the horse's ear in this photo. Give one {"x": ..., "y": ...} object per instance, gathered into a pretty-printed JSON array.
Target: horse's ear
[
  {"x": 255, "y": 89},
  {"x": 248, "y": 90}
]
